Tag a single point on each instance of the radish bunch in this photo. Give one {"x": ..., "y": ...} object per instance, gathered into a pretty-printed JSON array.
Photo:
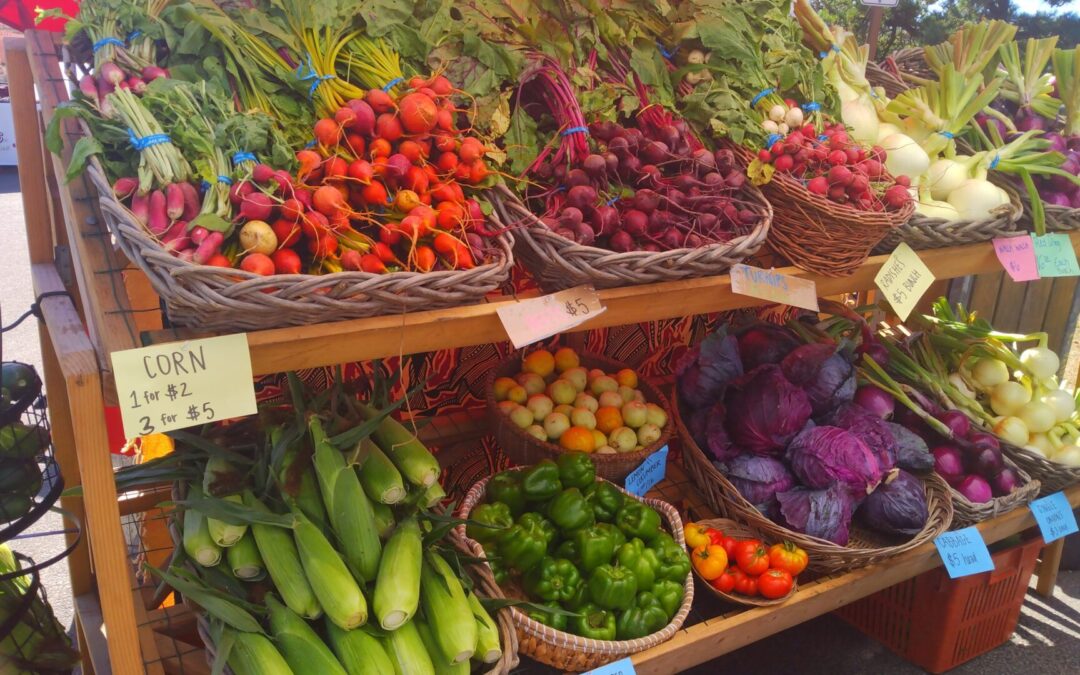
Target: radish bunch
[
  {"x": 839, "y": 169},
  {"x": 110, "y": 77},
  {"x": 644, "y": 191}
]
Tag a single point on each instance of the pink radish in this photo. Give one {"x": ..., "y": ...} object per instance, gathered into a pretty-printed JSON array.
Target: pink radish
[
  {"x": 208, "y": 247},
  {"x": 158, "y": 215},
  {"x": 89, "y": 88},
  {"x": 123, "y": 187},
  {"x": 186, "y": 255},
  {"x": 112, "y": 73},
  {"x": 238, "y": 191},
  {"x": 199, "y": 234},
  {"x": 256, "y": 206},
  {"x": 262, "y": 173},
  {"x": 174, "y": 201},
  {"x": 140, "y": 208},
  {"x": 192, "y": 204},
  {"x": 151, "y": 73},
  {"x": 176, "y": 239}
]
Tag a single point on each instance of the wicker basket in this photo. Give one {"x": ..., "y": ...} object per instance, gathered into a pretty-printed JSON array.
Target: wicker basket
[
  {"x": 912, "y": 61},
  {"x": 819, "y": 235},
  {"x": 1061, "y": 219},
  {"x": 882, "y": 75},
  {"x": 557, "y": 263},
  {"x": 525, "y": 449},
  {"x": 865, "y": 547},
  {"x": 1050, "y": 475},
  {"x": 735, "y": 529},
  {"x": 921, "y": 232},
  {"x": 566, "y": 651},
  {"x": 216, "y": 298},
  {"x": 485, "y": 587}
]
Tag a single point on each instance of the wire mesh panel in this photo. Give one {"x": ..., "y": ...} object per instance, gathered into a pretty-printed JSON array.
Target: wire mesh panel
[{"x": 31, "y": 639}]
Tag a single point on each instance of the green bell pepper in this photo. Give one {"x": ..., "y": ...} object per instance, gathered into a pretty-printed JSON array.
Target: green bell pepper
[
  {"x": 674, "y": 562},
  {"x": 534, "y": 522},
  {"x": 596, "y": 545},
  {"x": 641, "y": 560},
  {"x": 637, "y": 519},
  {"x": 593, "y": 622},
  {"x": 554, "y": 580},
  {"x": 605, "y": 499},
  {"x": 505, "y": 487},
  {"x": 498, "y": 569},
  {"x": 576, "y": 469},
  {"x": 612, "y": 587},
  {"x": 489, "y": 522},
  {"x": 579, "y": 598},
  {"x": 569, "y": 510},
  {"x": 567, "y": 549},
  {"x": 556, "y": 621},
  {"x": 645, "y": 617},
  {"x": 523, "y": 547},
  {"x": 670, "y": 595},
  {"x": 540, "y": 482}
]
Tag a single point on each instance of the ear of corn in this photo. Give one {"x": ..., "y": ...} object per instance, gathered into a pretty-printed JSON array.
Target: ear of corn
[
  {"x": 447, "y": 608},
  {"x": 278, "y": 552},
  {"x": 254, "y": 654},
  {"x": 36, "y": 643},
  {"x": 198, "y": 543},
  {"x": 380, "y": 478},
  {"x": 349, "y": 509},
  {"x": 488, "y": 644},
  {"x": 439, "y": 660},
  {"x": 407, "y": 651},
  {"x": 297, "y": 480},
  {"x": 358, "y": 652},
  {"x": 218, "y": 471},
  {"x": 412, "y": 459},
  {"x": 330, "y": 579},
  {"x": 244, "y": 559},
  {"x": 397, "y": 588},
  {"x": 433, "y": 495},
  {"x": 303, "y": 649},
  {"x": 384, "y": 519}
]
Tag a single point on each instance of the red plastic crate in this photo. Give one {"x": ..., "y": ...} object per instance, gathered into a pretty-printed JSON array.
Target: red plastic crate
[{"x": 938, "y": 623}]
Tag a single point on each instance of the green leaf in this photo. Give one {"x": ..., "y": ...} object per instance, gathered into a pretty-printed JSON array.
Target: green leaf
[
  {"x": 235, "y": 514},
  {"x": 212, "y": 222},
  {"x": 85, "y": 148},
  {"x": 522, "y": 143}
]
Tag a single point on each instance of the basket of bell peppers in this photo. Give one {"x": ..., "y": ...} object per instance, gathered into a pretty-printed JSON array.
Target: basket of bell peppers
[
  {"x": 738, "y": 567},
  {"x": 605, "y": 574}
]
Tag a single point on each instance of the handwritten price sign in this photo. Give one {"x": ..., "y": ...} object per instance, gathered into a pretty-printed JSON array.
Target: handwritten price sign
[
  {"x": 1055, "y": 256},
  {"x": 649, "y": 473},
  {"x": 903, "y": 279},
  {"x": 183, "y": 384},
  {"x": 1054, "y": 516},
  {"x": 773, "y": 286},
  {"x": 964, "y": 552},
  {"x": 1017, "y": 256},
  {"x": 533, "y": 320},
  {"x": 620, "y": 667}
]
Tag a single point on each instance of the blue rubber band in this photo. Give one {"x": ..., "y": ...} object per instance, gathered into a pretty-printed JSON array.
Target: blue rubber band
[
  {"x": 947, "y": 134},
  {"x": 392, "y": 83},
  {"x": 994, "y": 162},
  {"x": 575, "y": 130},
  {"x": 205, "y": 186},
  {"x": 306, "y": 72},
  {"x": 761, "y": 94},
  {"x": 224, "y": 179},
  {"x": 612, "y": 201},
  {"x": 103, "y": 42},
  {"x": 666, "y": 54},
  {"x": 823, "y": 138},
  {"x": 243, "y": 157},
  {"x": 133, "y": 35},
  {"x": 310, "y": 144},
  {"x": 773, "y": 138},
  {"x": 835, "y": 48},
  {"x": 150, "y": 141},
  {"x": 812, "y": 106}
]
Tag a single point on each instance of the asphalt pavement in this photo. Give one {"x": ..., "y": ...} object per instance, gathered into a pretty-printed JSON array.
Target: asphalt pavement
[{"x": 1046, "y": 642}]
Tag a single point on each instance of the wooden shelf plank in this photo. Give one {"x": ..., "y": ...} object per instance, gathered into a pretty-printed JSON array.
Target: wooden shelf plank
[
  {"x": 707, "y": 640},
  {"x": 283, "y": 349}
]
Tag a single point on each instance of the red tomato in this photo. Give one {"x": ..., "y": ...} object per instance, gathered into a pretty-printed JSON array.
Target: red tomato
[
  {"x": 725, "y": 583},
  {"x": 773, "y": 584},
  {"x": 751, "y": 557},
  {"x": 745, "y": 584},
  {"x": 716, "y": 537},
  {"x": 729, "y": 544}
]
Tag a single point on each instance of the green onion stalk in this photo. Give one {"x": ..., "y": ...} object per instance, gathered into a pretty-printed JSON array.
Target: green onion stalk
[
  {"x": 1028, "y": 84},
  {"x": 970, "y": 50},
  {"x": 873, "y": 373}
]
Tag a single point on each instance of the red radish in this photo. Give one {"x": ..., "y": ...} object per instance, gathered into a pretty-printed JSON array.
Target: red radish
[
  {"x": 903, "y": 181},
  {"x": 112, "y": 73},
  {"x": 840, "y": 175},
  {"x": 445, "y": 120},
  {"x": 388, "y": 127},
  {"x": 88, "y": 87},
  {"x": 286, "y": 231},
  {"x": 174, "y": 201},
  {"x": 350, "y": 260},
  {"x": 837, "y": 157},
  {"x": 123, "y": 187},
  {"x": 199, "y": 234},
  {"x": 379, "y": 101},
  {"x": 151, "y": 73},
  {"x": 416, "y": 179},
  {"x": 839, "y": 141},
  {"x": 303, "y": 196},
  {"x": 622, "y": 242},
  {"x": 262, "y": 173},
  {"x": 364, "y": 116},
  {"x": 218, "y": 260},
  {"x": 136, "y": 84},
  {"x": 158, "y": 215},
  {"x": 176, "y": 238},
  {"x": 897, "y": 196},
  {"x": 777, "y": 149},
  {"x": 369, "y": 262},
  {"x": 208, "y": 247},
  {"x": 425, "y": 258},
  {"x": 374, "y": 194},
  {"x": 418, "y": 113},
  {"x": 441, "y": 86},
  {"x": 396, "y": 166},
  {"x": 309, "y": 160},
  {"x": 256, "y": 206},
  {"x": 192, "y": 203},
  {"x": 323, "y": 247},
  {"x": 258, "y": 263},
  {"x": 286, "y": 261},
  {"x": 326, "y": 132},
  {"x": 355, "y": 143},
  {"x": 284, "y": 182},
  {"x": 859, "y": 184},
  {"x": 314, "y": 224},
  {"x": 237, "y": 192},
  {"x": 292, "y": 209},
  {"x": 140, "y": 208},
  {"x": 818, "y": 185},
  {"x": 345, "y": 117},
  {"x": 784, "y": 163},
  {"x": 328, "y": 200},
  {"x": 837, "y": 193},
  {"x": 872, "y": 167},
  {"x": 335, "y": 167},
  {"x": 389, "y": 236},
  {"x": 447, "y": 162}
]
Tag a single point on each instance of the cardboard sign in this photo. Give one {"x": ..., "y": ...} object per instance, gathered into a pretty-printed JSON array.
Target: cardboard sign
[
  {"x": 183, "y": 384},
  {"x": 1055, "y": 256},
  {"x": 1017, "y": 256},
  {"x": 775, "y": 287},
  {"x": 620, "y": 667},
  {"x": 964, "y": 552},
  {"x": 533, "y": 320},
  {"x": 649, "y": 473},
  {"x": 903, "y": 279},
  {"x": 1054, "y": 516}
]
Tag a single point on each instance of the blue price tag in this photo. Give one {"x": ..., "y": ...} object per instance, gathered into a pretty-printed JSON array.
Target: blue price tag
[
  {"x": 650, "y": 473},
  {"x": 1054, "y": 516},
  {"x": 620, "y": 667},
  {"x": 964, "y": 552}
]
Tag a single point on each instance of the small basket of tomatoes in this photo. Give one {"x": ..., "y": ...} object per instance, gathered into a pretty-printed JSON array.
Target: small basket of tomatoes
[{"x": 737, "y": 566}]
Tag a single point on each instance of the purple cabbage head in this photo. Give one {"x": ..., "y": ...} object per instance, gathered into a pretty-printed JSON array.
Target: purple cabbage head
[
  {"x": 912, "y": 453},
  {"x": 871, "y": 430},
  {"x": 822, "y": 456},
  {"x": 758, "y": 478},
  {"x": 765, "y": 411},
  {"x": 764, "y": 343},
  {"x": 896, "y": 507},
  {"x": 717, "y": 441},
  {"x": 824, "y": 373},
  {"x": 705, "y": 371},
  {"x": 825, "y": 514}
]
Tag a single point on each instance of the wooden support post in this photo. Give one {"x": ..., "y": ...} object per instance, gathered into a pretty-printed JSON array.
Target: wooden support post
[
  {"x": 875, "y": 30},
  {"x": 1048, "y": 567}
]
